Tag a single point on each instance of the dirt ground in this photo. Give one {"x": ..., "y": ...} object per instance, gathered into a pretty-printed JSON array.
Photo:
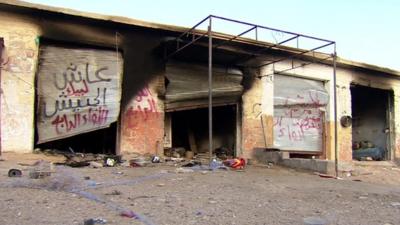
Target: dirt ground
[{"x": 160, "y": 195}]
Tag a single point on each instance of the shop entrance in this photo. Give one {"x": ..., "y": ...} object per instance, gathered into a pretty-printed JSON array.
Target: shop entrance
[{"x": 371, "y": 123}]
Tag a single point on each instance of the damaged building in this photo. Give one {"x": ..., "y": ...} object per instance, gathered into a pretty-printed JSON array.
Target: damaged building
[{"x": 113, "y": 85}]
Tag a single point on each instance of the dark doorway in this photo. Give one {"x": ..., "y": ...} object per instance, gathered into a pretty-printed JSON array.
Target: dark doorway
[
  {"x": 371, "y": 123},
  {"x": 101, "y": 141},
  {"x": 189, "y": 130}
]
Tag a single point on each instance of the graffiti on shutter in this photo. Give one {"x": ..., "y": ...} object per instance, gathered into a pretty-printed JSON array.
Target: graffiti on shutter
[
  {"x": 78, "y": 90},
  {"x": 299, "y": 113}
]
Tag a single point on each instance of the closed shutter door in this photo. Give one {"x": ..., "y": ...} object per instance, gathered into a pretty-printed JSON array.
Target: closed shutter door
[
  {"x": 299, "y": 113},
  {"x": 78, "y": 89},
  {"x": 187, "y": 86}
]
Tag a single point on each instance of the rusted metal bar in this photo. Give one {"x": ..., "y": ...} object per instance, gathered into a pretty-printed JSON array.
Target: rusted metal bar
[
  {"x": 302, "y": 65},
  {"x": 269, "y": 28},
  {"x": 186, "y": 45},
  {"x": 1, "y": 90},
  {"x": 290, "y": 57},
  {"x": 335, "y": 112},
  {"x": 265, "y": 49},
  {"x": 234, "y": 37},
  {"x": 210, "y": 84}
]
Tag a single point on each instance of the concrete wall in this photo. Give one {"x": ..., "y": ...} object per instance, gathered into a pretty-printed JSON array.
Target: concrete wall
[
  {"x": 17, "y": 81},
  {"x": 262, "y": 91},
  {"x": 141, "y": 108}
]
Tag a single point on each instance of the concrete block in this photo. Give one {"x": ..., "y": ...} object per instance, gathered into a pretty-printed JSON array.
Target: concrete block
[
  {"x": 316, "y": 165},
  {"x": 263, "y": 156}
]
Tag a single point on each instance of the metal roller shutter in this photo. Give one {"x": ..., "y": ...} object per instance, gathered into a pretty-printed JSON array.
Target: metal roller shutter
[
  {"x": 187, "y": 86},
  {"x": 78, "y": 90},
  {"x": 299, "y": 113}
]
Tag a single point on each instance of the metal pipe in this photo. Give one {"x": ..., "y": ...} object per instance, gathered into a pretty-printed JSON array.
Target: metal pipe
[
  {"x": 290, "y": 57},
  {"x": 210, "y": 85},
  {"x": 186, "y": 45},
  {"x": 194, "y": 27},
  {"x": 335, "y": 112},
  {"x": 265, "y": 48},
  {"x": 296, "y": 67},
  {"x": 1, "y": 90},
  {"x": 234, "y": 37},
  {"x": 270, "y": 28}
]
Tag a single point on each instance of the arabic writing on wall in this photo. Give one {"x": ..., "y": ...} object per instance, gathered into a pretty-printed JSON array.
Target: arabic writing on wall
[
  {"x": 143, "y": 125},
  {"x": 18, "y": 56},
  {"x": 143, "y": 108},
  {"x": 76, "y": 105},
  {"x": 78, "y": 98},
  {"x": 299, "y": 125}
]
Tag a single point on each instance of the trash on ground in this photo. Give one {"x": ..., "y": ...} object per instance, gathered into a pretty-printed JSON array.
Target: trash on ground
[
  {"x": 183, "y": 170},
  {"x": 14, "y": 173},
  {"x": 395, "y": 204},
  {"x": 110, "y": 162},
  {"x": 236, "y": 163},
  {"x": 138, "y": 162},
  {"x": 155, "y": 159},
  {"x": 114, "y": 192},
  {"x": 39, "y": 174},
  {"x": 323, "y": 175},
  {"x": 192, "y": 164},
  {"x": 95, "y": 165},
  {"x": 314, "y": 221},
  {"x": 95, "y": 221}
]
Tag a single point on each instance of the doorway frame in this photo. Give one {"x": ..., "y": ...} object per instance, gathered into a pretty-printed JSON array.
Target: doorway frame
[
  {"x": 390, "y": 123},
  {"x": 238, "y": 124}
]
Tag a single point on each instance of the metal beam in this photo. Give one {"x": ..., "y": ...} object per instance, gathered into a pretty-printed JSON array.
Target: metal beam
[
  {"x": 210, "y": 85},
  {"x": 270, "y": 28},
  {"x": 335, "y": 113},
  {"x": 299, "y": 54}
]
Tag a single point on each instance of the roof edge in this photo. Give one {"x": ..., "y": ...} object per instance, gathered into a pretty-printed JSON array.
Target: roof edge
[{"x": 166, "y": 27}]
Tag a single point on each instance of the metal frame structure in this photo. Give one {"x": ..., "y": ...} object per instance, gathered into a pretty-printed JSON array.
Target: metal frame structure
[
  {"x": 1, "y": 90},
  {"x": 193, "y": 35}
]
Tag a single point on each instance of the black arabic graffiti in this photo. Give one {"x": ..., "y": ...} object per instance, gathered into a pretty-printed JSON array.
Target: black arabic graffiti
[
  {"x": 73, "y": 75},
  {"x": 62, "y": 105}
]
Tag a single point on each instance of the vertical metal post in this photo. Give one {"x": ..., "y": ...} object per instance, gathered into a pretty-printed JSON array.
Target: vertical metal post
[
  {"x": 335, "y": 112},
  {"x": 1, "y": 90},
  {"x": 210, "y": 84}
]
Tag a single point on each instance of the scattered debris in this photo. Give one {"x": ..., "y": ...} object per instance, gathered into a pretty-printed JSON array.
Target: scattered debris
[
  {"x": 155, "y": 159},
  {"x": 138, "y": 162},
  {"x": 183, "y": 170},
  {"x": 118, "y": 172},
  {"x": 314, "y": 221},
  {"x": 95, "y": 221},
  {"x": 95, "y": 165},
  {"x": 192, "y": 164},
  {"x": 325, "y": 175},
  {"x": 39, "y": 174},
  {"x": 110, "y": 162},
  {"x": 236, "y": 163},
  {"x": 14, "y": 173},
  {"x": 114, "y": 192},
  {"x": 395, "y": 204}
]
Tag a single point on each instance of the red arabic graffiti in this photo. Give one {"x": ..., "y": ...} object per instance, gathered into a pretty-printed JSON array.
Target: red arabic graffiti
[
  {"x": 144, "y": 103},
  {"x": 297, "y": 122},
  {"x": 94, "y": 116}
]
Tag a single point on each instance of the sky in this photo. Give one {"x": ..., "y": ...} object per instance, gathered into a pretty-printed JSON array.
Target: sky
[{"x": 364, "y": 30}]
